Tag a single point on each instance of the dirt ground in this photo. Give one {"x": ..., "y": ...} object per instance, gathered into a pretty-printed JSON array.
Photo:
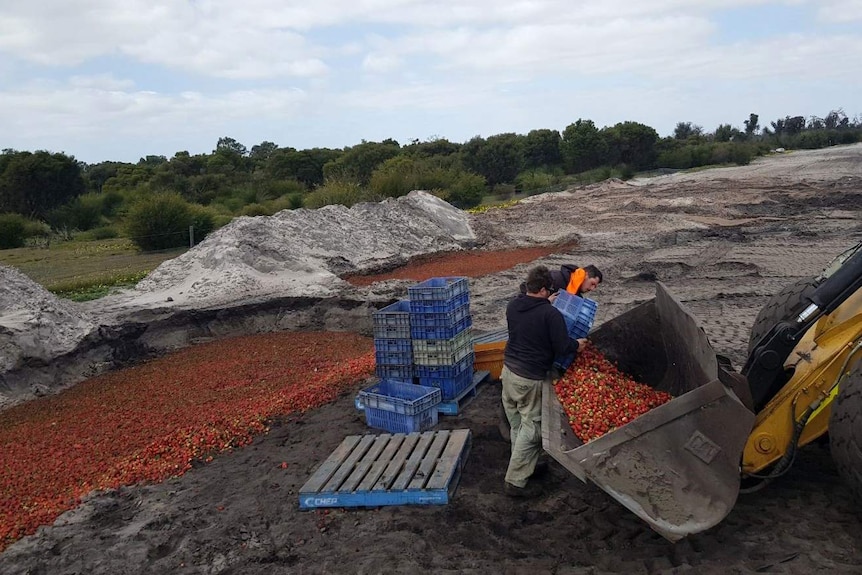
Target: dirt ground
[{"x": 722, "y": 241}]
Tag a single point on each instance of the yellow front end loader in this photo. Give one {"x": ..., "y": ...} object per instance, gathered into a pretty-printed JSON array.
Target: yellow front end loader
[{"x": 681, "y": 466}]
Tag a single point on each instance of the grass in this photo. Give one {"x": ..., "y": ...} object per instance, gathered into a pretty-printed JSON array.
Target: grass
[{"x": 84, "y": 270}]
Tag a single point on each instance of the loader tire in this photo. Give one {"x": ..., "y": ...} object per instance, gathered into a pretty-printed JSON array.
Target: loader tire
[
  {"x": 845, "y": 431},
  {"x": 787, "y": 302}
]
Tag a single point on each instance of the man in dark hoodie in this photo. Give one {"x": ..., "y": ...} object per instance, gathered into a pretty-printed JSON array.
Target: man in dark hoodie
[{"x": 537, "y": 334}]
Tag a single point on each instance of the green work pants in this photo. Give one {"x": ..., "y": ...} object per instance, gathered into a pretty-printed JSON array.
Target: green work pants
[{"x": 522, "y": 401}]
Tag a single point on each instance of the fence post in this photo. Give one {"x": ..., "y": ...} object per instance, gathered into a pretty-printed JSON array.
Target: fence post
[{"x": 191, "y": 236}]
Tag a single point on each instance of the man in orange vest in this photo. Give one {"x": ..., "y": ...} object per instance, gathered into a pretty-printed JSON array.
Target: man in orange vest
[{"x": 577, "y": 281}]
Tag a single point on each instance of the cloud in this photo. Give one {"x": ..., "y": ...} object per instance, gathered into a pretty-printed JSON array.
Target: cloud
[
  {"x": 840, "y": 11},
  {"x": 89, "y": 108}
]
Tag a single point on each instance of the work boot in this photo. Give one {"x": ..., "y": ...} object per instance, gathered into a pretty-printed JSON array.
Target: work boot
[{"x": 530, "y": 490}]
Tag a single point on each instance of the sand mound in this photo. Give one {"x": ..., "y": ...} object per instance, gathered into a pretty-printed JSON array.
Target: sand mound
[{"x": 35, "y": 324}]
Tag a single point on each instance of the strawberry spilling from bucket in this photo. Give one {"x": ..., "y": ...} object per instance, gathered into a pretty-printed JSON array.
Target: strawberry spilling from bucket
[{"x": 597, "y": 397}]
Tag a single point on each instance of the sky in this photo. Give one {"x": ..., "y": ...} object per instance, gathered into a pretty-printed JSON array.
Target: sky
[{"x": 119, "y": 80}]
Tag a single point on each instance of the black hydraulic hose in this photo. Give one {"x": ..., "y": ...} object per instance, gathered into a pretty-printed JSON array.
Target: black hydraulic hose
[{"x": 786, "y": 461}]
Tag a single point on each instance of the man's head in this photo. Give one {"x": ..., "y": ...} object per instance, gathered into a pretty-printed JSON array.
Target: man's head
[
  {"x": 538, "y": 279},
  {"x": 593, "y": 279}
]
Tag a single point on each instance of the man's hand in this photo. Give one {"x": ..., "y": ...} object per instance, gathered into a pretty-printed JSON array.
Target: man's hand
[{"x": 582, "y": 341}]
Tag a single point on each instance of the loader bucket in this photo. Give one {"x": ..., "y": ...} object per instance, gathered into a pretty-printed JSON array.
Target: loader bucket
[{"x": 677, "y": 466}]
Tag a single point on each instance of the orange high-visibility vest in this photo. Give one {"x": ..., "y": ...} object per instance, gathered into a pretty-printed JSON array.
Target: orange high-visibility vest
[{"x": 575, "y": 281}]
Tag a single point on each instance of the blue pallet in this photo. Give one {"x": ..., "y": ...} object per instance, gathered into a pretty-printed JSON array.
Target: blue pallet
[
  {"x": 445, "y": 371},
  {"x": 456, "y": 404},
  {"x": 451, "y": 387},
  {"x": 383, "y": 469},
  {"x": 444, "y": 332},
  {"x": 439, "y": 306},
  {"x": 395, "y": 372},
  {"x": 439, "y": 289}
]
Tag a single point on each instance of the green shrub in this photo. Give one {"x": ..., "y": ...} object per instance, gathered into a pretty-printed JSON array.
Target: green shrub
[
  {"x": 203, "y": 221},
  {"x": 256, "y": 210},
  {"x": 100, "y": 233},
  {"x": 221, "y": 220},
  {"x": 12, "y": 231},
  {"x": 159, "y": 222},
  {"x": 466, "y": 191},
  {"x": 626, "y": 172},
  {"x": 338, "y": 191},
  {"x": 504, "y": 191},
  {"x": 535, "y": 180}
]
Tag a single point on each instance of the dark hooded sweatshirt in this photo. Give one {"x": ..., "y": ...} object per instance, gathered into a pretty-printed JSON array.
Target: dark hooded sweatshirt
[{"x": 537, "y": 335}]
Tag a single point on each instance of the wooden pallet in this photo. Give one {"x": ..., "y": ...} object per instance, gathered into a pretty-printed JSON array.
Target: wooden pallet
[
  {"x": 455, "y": 405},
  {"x": 389, "y": 469}
]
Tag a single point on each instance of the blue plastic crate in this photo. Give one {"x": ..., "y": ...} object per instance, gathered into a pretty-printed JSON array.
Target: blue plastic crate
[
  {"x": 445, "y": 371},
  {"x": 393, "y": 357},
  {"x": 393, "y": 344},
  {"x": 438, "y": 346},
  {"x": 393, "y": 314},
  {"x": 439, "y": 306},
  {"x": 450, "y": 386},
  {"x": 402, "y": 372},
  {"x": 445, "y": 319},
  {"x": 439, "y": 289},
  {"x": 443, "y": 356},
  {"x": 392, "y": 332},
  {"x": 578, "y": 312},
  {"x": 431, "y": 332},
  {"x": 400, "y": 407}
]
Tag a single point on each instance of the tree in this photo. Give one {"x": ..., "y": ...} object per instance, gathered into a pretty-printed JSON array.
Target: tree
[
  {"x": 542, "y": 148},
  {"x": 751, "y": 125},
  {"x": 632, "y": 144},
  {"x": 794, "y": 125},
  {"x": 499, "y": 158},
  {"x": 685, "y": 130},
  {"x": 433, "y": 146},
  {"x": 260, "y": 153},
  {"x": 582, "y": 147},
  {"x": 230, "y": 145},
  {"x": 33, "y": 184},
  {"x": 358, "y": 163},
  {"x": 836, "y": 119},
  {"x": 725, "y": 133}
]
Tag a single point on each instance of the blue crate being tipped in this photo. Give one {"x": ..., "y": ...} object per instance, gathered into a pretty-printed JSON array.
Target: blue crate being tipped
[{"x": 579, "y": 313}]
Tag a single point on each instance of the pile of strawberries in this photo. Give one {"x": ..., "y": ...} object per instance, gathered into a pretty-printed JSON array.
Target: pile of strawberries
[
  {"x": 149, "y": 422},
  {"x": 597, "y": 397}
]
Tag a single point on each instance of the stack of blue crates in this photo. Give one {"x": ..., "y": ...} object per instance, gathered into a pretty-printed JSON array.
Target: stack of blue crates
[
  {"x": 393, "y": 346},
  {"x": 440, "y": 324}
]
